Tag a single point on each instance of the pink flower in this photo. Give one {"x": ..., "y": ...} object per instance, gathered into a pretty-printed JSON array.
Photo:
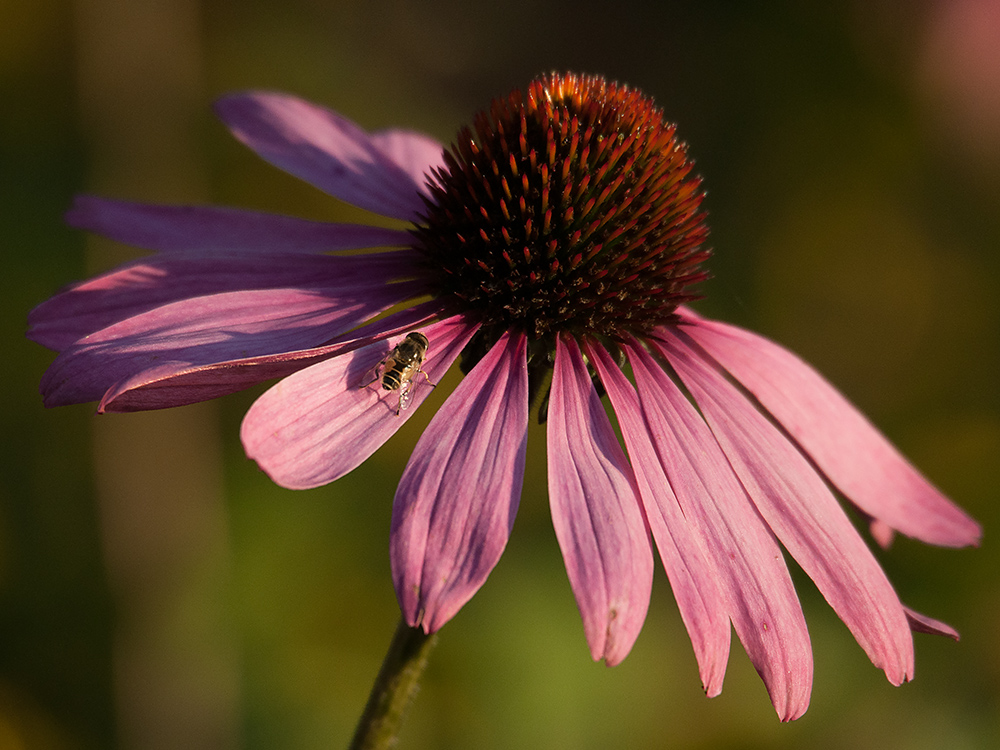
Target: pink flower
[{"x": 562, "y": 234}]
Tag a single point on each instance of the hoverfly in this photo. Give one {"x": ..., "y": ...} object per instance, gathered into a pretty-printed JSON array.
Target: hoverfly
[{"x": 397, "y": 369}]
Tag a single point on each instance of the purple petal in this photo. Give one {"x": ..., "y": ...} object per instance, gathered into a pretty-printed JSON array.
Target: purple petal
[
  {"x": 205, "y": 330},
  {"x": 854, "y": 455},
  {"x": 596, "y": 512},
  {"x": 802, "y": 512},
  {"x": 456, "y": 502},
  {"x": 415, "y": 153},
  {"x": 320, "y": 423},
  {"x": 170, "y": 385},
  {"x": 762, "y": 602},
  {"x": 324, "y": 149},
  {"x": 923, "y": 624},
  {"x": 208, "y": 228},
  {"x": 682, "y": 547},
  {"x": 148, "y": 283}
]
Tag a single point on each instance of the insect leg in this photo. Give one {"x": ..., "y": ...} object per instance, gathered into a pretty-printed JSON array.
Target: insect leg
[{"x": 427, "y": 378}]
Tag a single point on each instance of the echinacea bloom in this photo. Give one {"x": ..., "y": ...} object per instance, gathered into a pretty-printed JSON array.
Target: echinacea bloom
[{"x": 562, "y": 233}]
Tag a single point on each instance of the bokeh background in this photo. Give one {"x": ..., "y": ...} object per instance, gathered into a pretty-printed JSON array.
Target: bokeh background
[{"x": 157, "y": 591}]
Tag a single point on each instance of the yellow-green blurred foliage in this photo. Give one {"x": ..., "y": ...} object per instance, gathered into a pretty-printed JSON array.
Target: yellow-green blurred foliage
[{"x": 157, "y": 591}]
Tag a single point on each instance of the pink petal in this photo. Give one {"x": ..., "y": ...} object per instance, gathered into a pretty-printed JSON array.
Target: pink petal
[
  {"x": 923, "y": 624},
  {"x": 205, "y": 330},
  {"x": 803, "y": 513},
  {"x": 761, "y": 600},
  {"x": 682, "y": 546},
  {"x": 209, "y": 228},
  {"x": 170, "y": 385},
  {"x": 881, "y": 532},
  {"x": 324, "y": 149},
  {"x": 151, "y": 282},
  {"x": 855, "y": 456},
  {"x": 596, "y": 512},
  {"x": 415, "y": 153},
  {"x": 320, "y": 423},
  {"x": 456, "y": 502}
]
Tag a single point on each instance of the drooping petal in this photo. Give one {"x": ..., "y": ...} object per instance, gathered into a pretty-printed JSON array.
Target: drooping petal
[
  {"x": 920, "y": 623},
  {"x": 211, "y": 228},
  {"x": 455, "y": 505},
  {"x": 853, "y": 454},
  {"x": 210, "y": 329},
  {"x": 416, "y": 153},
  {"x": 320, "y": 423},
  {"x": 323, "y": 148},
  {"x": 596, "y": 512},
  {"x": 801, "y": 511},
  {"x": 691, "y": 572},
  {"x": 762, "y": 603},
  {"x": 170, "y": 384},
  {"x": 148, "y": 283},
  {"x": 881, "y": 532}
]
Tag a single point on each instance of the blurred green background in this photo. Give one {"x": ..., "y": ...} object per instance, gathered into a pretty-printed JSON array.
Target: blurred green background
[{"x": 156, "y": 591}]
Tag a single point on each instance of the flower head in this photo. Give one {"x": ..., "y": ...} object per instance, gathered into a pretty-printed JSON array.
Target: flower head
[{"x": 560, "y": 235}]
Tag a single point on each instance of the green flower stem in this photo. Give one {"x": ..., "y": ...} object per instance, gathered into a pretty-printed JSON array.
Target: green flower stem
[{"x": 394, "y": 688}]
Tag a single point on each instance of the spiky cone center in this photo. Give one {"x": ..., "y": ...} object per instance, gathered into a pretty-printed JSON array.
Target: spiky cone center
[{"x": 569, "y": 209}]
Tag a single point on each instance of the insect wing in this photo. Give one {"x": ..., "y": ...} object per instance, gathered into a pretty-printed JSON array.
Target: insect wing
[{"x": 405, "y": 395}]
